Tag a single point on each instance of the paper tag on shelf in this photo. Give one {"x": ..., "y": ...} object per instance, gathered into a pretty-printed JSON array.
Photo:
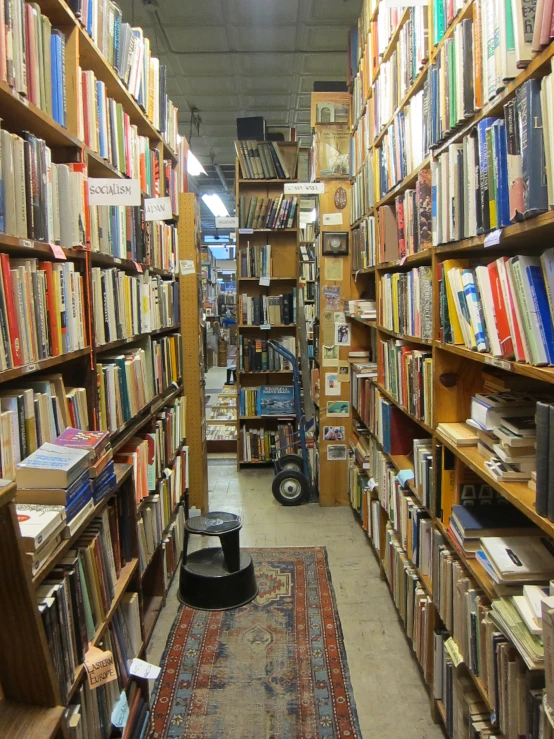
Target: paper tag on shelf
[
  {"x": 100, "y": 667},
  {"x": 403, "y": 260},
  {"x": 58, "y": 252},
  {"x": 404, "y": 476},
  {"x": 226, "y": 222},
  {"x": 187, "y": 267},
  {"x": 453, "y": 651},
  {"x": 246, "y": 230},
  {"x": 158, "y": 209},
  {"x": 140, "y": 668},
  {"x": 365, "y": 465},
  {"x": 109, "y": 191},
  {"x": 29, "y": 368},
  {"x": 120, "y": 713},
  {"x": 332, "y": 219},
  {"x": 138, "y": 265},
  {"x": 264, "y": 281},
  {"x": 371, "y": 484},
  {"x": 493, "y": 238},
  {"x": 500, "y": 363},
  {"x": 304, "y": 188},
  {"x": 265, "y": 326},
  {"x": 26, "y": 243},
  {"x": 117, "y": 260}
]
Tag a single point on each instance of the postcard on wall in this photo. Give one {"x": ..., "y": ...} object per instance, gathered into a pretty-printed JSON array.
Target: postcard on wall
[
  {"x": 327, "y": 327},
  {"x": 333, "y": 300},
  {"x": 332, "y": 384},
  {"x": 330, "y": 356},
  {"x": 333, "y": 269},
  {"x": 342, "y": 334},
  {"x": 336, "y": 452},
  {"x": 334, "y": 433},
  {"x": 344, "y": 371},
  {"x": 338, "y": 408},
  {"x": 333, "y": 151},
  {"x": 340, "y": 316}
]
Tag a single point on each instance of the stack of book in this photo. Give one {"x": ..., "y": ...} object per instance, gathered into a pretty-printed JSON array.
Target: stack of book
[
  {"x": 256, "y": 355},
  {"x": 502, "y": 308},
  {"x": 101, "y": 466},
  {"x": 407, "y": 302},
  {"x": 42, "y": 528},
  {"x": 267, "y": 309},
  {"x": 261, "y": 160},
  {"x": 258, "y": 444},
  {"x": 255, "y": 261},
  {"x": 361, "y": 308},
  {"x": 126, "y": 306},
  {"x": 166, "y": 362},
  {"x": 279, "y": 212}
]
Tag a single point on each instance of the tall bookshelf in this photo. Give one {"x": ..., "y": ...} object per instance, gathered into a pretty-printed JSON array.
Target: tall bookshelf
[
  {"x": 31, "y": 703},
  {"x": 284, "y": 279},
  {"x": 381, "y": 41}
]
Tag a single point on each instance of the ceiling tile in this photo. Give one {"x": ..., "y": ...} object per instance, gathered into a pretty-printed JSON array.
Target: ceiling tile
[
  {"x": 210, "y": 85},
  {"x": 327, "y": 38},
  {"x": 213, "y": 102},
  {"x": 329, "y": 63},
  {"x": 207, "y": 65},
  {"x": 264, "y": 11},
  {"x": 332, "y": 10},
  {"x": 265, "y": 38},
  {"x": 270, "y": 102},
  {"x": 206, "y": 13},
  {"x": 267, "y": 84},
  {"x": 197, "y": 39},
  {"x": 270, "y": 64}
]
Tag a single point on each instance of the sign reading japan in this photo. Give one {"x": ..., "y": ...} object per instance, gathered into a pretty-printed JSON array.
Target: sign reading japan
[
  {"x": 105, "y": 191},
  {"x": 304, "y": 188},
  {"x": 158, "y": 209}
]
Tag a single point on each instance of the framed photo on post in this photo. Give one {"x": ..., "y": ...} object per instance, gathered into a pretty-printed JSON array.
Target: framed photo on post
[{"x": 335, "y": 244}]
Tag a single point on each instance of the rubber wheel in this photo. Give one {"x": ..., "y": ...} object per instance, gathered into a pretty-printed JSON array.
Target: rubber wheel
[
  {"x": 290, "y": 462},
  {"x": 290, "y": 487}
]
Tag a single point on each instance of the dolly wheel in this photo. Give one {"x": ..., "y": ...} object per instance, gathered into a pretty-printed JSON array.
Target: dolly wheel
[
  {"x": 290, "y": 487},
  {"x": 290, "y": 462}
]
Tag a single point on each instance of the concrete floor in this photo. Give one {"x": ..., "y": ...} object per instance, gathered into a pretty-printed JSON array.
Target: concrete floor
[{"x": 391, "y": 700}]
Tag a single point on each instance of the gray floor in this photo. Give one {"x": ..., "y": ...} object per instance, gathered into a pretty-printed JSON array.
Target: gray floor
[{"x": 391, "y": 700}]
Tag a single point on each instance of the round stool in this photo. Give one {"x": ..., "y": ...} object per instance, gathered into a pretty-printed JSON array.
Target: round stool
[{"x": 214, "y": 579}]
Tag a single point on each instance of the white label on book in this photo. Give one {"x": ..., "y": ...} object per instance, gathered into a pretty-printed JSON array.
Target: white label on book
[
  {"x": 246, "y": 230},
  {"x": 371, "y": 484},
  {"x": 332, "y": 219},
  {"x": 140, "y": 668},
  {"x": 108, "y": 191},
  {"x": 500, "y": 363},
  {"x": 226, "y": 222},
  {"x": 120, "y": 713},
  {"x": 493, "y": 238},
  {"x": 100, "y": 667},
  {"x": 365, "y": 465},
  {"x": 453, "y": 651},
  {"x": 25, "y": 242},
  {"x": 264, "y": 281},
  {"x": 187, "y": 267},
  {"x": 304, "y": 188},
  {"x": 265, "y": 326},
  {"x": 158, "y": 209}
]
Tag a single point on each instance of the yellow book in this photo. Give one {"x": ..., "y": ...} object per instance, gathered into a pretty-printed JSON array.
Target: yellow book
[
  {"x": 449, "y": 264},
  {"x": 174, "y": 371}
]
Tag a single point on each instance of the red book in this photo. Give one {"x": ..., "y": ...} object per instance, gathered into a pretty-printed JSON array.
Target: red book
[
  {"x": 500, "y": 314},
  {"x": 51, "y": 307},
  {"x": 515, "y": 328},
  {"x": 94, "y": 441},
  {"x": 10, "y": 306},
  {"x": 399, "y": 201}
]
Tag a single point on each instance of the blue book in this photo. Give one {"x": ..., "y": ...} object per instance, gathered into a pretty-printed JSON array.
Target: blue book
[
  {"x": 105, "y": 489},
  {"x": 89, "y": 18},
  {"x": 54, "y": 54},
  {"x": 533, "y": 162},
  {"x": 102, "y": 143},
  {"x": 79, "y": 503},
  {"x": 472, "y": 522},
  {"x": 276, "y": 400},
  {"x": 501, "y": 170},
  {"x": 542, "y": 308},
  {"x": 474, "y": 310},
  {"x": 385, "y": 414}
]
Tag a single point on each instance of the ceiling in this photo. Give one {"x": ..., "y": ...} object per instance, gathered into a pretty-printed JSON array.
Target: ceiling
[{"x": 232, "y": 58}]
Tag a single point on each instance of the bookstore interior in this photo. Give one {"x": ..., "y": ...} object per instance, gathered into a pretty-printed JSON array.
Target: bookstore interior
[{"x": 277, "y": 369}]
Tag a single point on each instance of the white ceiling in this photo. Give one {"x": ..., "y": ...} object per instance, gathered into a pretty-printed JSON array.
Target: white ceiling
[{"x": 233, "y": 58}]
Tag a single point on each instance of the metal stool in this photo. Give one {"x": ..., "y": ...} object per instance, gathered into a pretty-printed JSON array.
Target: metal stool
[{"x": 214, "y": 579}]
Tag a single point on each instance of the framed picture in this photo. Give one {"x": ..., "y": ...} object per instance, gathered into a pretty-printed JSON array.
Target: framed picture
[
  {"x": 338, "y": 408},
  {"x": 333, "y": 433},
  {"x": 336, "y": 452},
  {"x": 335, "y": 244}
]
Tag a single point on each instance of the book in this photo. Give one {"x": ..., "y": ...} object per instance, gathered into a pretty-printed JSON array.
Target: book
[
  {"x": 459, "y": 433},
  {"x": 39, "y": 523},
  {"x": 51, "y": 466},
  {"x": 519, "y": 559}
]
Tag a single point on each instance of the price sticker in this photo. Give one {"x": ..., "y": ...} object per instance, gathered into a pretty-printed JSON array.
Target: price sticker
[
  {"x": 493, "y": 238},
  {"x": 500, "y": 363},
  {"x": 30, "y": 368},
  {"x": 265, "y": 326},
  {"x": 58, "y": 252},
  {"x": 26, "y": 243},
  {"x": 117, "y": 260},
  {"x": 264, "y": 281},
  {"x": 138, "y": 265}
]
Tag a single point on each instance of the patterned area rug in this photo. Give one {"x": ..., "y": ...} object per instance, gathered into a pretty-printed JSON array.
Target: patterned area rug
[{"x": 274, "y": 669}]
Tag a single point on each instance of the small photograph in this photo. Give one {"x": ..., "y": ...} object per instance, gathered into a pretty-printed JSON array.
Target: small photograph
[
  {"x": 338, "y": 408},
  {"x": 332, "y": 112},
  {"x": 330, "y": 355},
  {"x": 336, "y": 452},
  {"x": 333, "y": 433},
  {"x": 335, "y": 244},
  {"x": 332, "y": 384},
  {"x": 342, "y": 334},
  {"x": 344, "y": 371}
]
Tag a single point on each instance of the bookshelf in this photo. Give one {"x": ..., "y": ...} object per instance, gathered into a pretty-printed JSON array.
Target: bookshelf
[
  {"x": 60, "y": 252},
  {"x": 398, "y": 243},
  {"x": 261, "y": 275}
]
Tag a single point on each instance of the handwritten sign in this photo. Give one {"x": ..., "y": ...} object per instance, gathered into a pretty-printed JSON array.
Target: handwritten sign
[
  {"x": 304, "y": 188},
  {"x": 493, "y": 238},
  {"x": 100, "y": 667},
  {"x": 226, "y": 222},
  {"x": 158, "y": 209},
  {"x": 120, "y": 713},
  {"x": 140, "y": 668},
  {"x": 187, "y": 267},
  {"x": 107, "y": 191}
]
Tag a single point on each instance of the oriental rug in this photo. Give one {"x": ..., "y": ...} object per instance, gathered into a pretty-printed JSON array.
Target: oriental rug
[{"x": 274, "y": 669}]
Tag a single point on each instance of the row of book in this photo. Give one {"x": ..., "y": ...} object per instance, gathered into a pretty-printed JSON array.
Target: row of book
[
  {"x": 363, "y": 190},
  {"x": 42, "y": 312},
  {"x": 255, "y": 261},
  {"x": 407, "y": 376},
  {"x": 502, "y": 308},
  {"x": 263, "y": 310},
  {"x": 307, "y": 271},
  {"x": 105, "y": 127},
  {"x": 267, "y": 400},
  {"x": 278, "y": 212},
  {"x": 261, "y": 160},
  {"x": 406, "y": 302},
  {"x": 309, "y": 292},
  {"x": 162, "y": 522},
  {"x": 126, "y": 306},
  {"x": 259, "y": 444},
  {"x": 364, "y": 244},
  {"x": 257, "y": 355},
  {"x": 121, "y": 232}
]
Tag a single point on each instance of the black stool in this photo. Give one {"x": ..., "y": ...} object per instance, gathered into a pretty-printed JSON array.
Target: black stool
[
  {"x": 231, "y": 375},
  {"x": 215, "y": 579}
]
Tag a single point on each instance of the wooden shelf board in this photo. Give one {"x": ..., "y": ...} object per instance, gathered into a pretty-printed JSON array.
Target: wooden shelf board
[
  {"x": 7, "y": 494},
  {"x": 42, "y": 364},
  {"x": 265, "y": 230},
  {"x": 123, "y": 342},
  {"x": 266, "y": 418},
  {"x": 269, "y": 461},
  {"x": 121, "y": 586},
  {"x": 14, "y": 246},
  {"x": 401, "y": 407},
  {"x": 264, "y": 182},
  {"x": 265, "y": 372},
  {"x": 272, "y": 279},
  {"x": 22, "y": 721},
  {"x": 419, "y": 258},
  {"x": 363, "y": 271},
  {"x": 405, "y": 337},
  {"x": 99, "y": 259}
]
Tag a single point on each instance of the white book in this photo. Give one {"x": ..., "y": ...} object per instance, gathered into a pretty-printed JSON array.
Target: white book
[
  {"x": 546, "y": 105},
  {"x": 39, "y": 522},
  {"x": 522, "y": 606},
  {"x": 487, "y": 304},
  {"x": 519, "y": 558}
]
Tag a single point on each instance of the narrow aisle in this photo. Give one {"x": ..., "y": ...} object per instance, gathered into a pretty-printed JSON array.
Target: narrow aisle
[{"x": 383, "y": 672}]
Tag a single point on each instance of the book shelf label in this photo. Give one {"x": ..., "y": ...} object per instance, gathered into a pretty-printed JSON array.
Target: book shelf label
[
  {"x": 265, "y": 326},
  {"x": 226, "y": 222},
  {"x": 158, "y": 209},
  {"x": 246, "y": 230},
  {"x": 107, "y": 191},
  {"x": 187, "y": 267},
  {"x": 500, "y": 363},
  {"x": 140, "y": 668},
  {"x": 26, "y": 243},
  {"x": 58, "y": 252},
  {"x": 332, "y": 219},
  {"x": 493, "y": 238},
  {"x": 265, "y": 281},
  {"x": 120, "y": 713},
  {"x": 100, "y": 667},
  {"x": 304, "y": 188}
]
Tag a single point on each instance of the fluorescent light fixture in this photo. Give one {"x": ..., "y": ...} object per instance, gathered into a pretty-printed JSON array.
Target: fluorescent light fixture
[
  {"x": 194, "y": 168},
  {"x": 215, "y": 204}
]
